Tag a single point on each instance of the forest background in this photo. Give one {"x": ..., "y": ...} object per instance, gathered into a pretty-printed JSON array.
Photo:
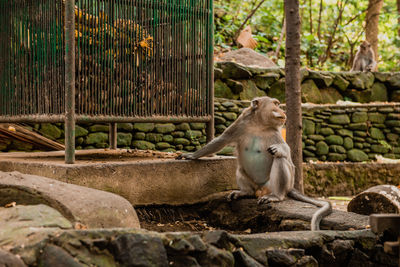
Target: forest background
[{"x": 331, "y": 30}]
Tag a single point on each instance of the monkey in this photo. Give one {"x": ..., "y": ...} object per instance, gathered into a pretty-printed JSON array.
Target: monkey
[
  {"x": 364, "y": 59},
  {"x": 265, "y": 168}
]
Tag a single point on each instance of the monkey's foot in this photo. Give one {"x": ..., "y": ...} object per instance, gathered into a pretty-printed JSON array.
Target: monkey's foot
[
  {"x": 236, "y": 194},
  {"x": 268, "y": 199},
  {"x": 187, "y": 156},
  {"x": 275, "y": 151}
]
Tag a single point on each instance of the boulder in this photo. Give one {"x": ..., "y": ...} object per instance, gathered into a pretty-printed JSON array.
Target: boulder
[
  {"x": 50, "y": 131},
  {"x": 330, "y": 95},
  {"x": 91, "y": 207},
  {"x": 340, "y": 83},
  {"x": 277, "y": 90},
  {"x": 322, "y": 79},
  {"x": 264, "y": 81},
  {"x": 250, "y": 90},
  {"x": 124, "y": 139},
  {"x": 247, "y": 57},
  {"x": 310, "y": 92},
  {"x": 221, "y": 89},
  {"x": 96, "y": 138},
  {"x": 394, "y": 80},
  {"x": 233, "y": 70},
  {"x": 379, "y": 93}
]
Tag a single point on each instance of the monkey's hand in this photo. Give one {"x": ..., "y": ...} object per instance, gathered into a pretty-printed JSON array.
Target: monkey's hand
[
  {"x": 277, "y": 151},
  {"x": 187, "y": 156}
]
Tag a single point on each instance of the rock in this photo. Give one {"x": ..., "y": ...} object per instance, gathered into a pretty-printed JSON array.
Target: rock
[
  {"x": 80, "y": 131},
  {"x": 55, "y": 256},
  {"x": 219, "y": 120},
  {"x": 139, "y": 250},
  {"x": 381, "y": 149},
  {"x": 139, "y": 136},
  {"x": 392, "y": 137},
  {"x": 247, "y": 57},
  {"x": 321, "y": 79},
  {"x": 264, "y": 81},
  {"x": 359, "y": 116},
  {"x": 316, "y": 137},
  {"x": 379, "y": 93},
  {"x": 167, "y": 138},
  {"x": 144, "y": 145},
  {"x": 143, "y": 127},
  {"x": 181, "y": 141},
  {"x": 227, "y": 151},
  {"x": 382, "y": 76},
  {"x": 50, "y": 131},
  {"x": 250, "y": 90},
  {"x": 337, "y": 149},
  {"x": 96, "y": 138},
  {"x": 330, "y": 95},
  {"x": 217, "y": 73},
  {"x": 283, "y": 257},
  {"x": 363, "y": 80},
  {"x": 334, "y": 140},
  {"x": 336, "y": 157},
  {"x": 375, "y": 133},
  {"x": 20, "y": 145},
  {"x": 326, "y": 131},
  {"x": 99, "y": 128},
  {"x": 277, "y": 90},
  {"x": 376, "y": 117},
  {"x": 322, "y": 148},
  {"x": 124, "y": 139},
  {"x": 230, "y": 116},
  {"x": 361, "y": 126},
  {"x": 217, "y": 257},
  {"x": 345, "y": 132},
  {"x": 154, "y": 137},
  {"x": 197, "y": 125},
  {"x": 234, "y": 70},
  {"x": 236, "y": 87},
  {"x": 394, "y": 80},
  {"x": 310, "y": 92},
  {"x": 91, "y": 207},
  {"x": 183, "y": 126},
  {"x": 222, "y": 90},
  {"x": 359, "y": 96},
  {"x": 193, "y": 134},
  {"x": 395, "y": 96},
  {"x": 162, "y": 145},
  {"x": 242, "y": 259},
  {"x": 392, "y": 123},
  {"x": 339, "y": 119},
  {"x": 348, "y": 143},
  {"x": 340, "y": 83},
  {"x": 164, "y": 128},
  {"x": 303, "y": 74},
  {"x": 10, "y": 260}
]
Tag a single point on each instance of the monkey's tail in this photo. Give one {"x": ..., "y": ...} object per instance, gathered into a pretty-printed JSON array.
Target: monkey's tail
[{"x": 325, "y": 207}]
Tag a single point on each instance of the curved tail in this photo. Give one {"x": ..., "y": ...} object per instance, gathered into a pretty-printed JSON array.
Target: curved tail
[{"x": 325, "y": 207}]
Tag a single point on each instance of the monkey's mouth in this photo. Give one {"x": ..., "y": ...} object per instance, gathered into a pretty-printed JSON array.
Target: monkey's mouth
[{"x": 279, "y": 116}]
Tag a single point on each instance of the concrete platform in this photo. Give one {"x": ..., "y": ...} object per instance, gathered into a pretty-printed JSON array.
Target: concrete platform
[{"x": 144, "y": 180}]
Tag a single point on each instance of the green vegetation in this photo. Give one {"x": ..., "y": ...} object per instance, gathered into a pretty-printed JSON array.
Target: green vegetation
[{"x": 267, "y": 23}]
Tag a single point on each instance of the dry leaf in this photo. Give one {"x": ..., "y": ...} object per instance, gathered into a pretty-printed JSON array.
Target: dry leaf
[
  {"x": 246, "y": 39},
  {"x": 10, "y": 205},
  {"x": 80, "y": 226}
]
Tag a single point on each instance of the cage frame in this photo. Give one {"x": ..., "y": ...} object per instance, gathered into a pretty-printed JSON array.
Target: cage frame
[{"x": 70, "y": 118}]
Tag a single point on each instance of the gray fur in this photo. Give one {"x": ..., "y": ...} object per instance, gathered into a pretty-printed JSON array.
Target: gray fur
[{"x": 264, "y": 159}]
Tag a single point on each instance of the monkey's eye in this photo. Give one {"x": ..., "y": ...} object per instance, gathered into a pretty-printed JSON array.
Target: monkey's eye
[{"x": 276, "y": 102}]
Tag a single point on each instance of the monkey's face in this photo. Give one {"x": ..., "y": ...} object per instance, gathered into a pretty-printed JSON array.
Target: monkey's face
[
  {"x": 365, "y": 46},
  {"x": 269, "y": 112}
]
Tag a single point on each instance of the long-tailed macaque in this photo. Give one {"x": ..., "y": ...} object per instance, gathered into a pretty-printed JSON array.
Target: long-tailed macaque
[
  {"x": 364, "y": 59},
  {"x": 264, "y": 162}
]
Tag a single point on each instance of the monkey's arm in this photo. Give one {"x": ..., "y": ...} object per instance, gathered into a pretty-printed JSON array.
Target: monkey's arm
[
  {"x": 227, "y": 137},
  {"x": 372, "y": 65},
  {"x": 279, "y": 150}
]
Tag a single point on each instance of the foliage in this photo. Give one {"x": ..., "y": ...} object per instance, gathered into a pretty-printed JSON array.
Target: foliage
[{"x": 317, "y": 34}]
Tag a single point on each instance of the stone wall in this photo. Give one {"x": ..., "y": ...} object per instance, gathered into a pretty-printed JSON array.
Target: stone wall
[
  {"x": 234, "y": 81},
  {"x": 330, "y": 132}
]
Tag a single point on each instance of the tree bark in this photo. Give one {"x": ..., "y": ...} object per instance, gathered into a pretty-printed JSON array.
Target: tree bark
[
  {"x": 371, "y": 24},
  {"x": 293, "y": 89}
]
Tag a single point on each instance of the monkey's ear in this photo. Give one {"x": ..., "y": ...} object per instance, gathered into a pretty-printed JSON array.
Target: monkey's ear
[{"x": 254, "y": 103}]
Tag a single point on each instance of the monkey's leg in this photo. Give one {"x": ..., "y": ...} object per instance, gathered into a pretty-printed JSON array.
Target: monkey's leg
[{"x": 246, "y": 185}]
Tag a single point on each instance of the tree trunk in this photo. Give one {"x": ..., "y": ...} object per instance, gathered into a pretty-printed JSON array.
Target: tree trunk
[
  {"x": 371, "y": 24},
  {"x": 293, "y": 89}
]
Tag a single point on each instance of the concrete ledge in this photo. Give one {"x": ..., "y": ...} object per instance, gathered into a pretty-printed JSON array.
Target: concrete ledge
[
  {"x": 93, "y": 208},
  {"x": 152, "y": 180}
]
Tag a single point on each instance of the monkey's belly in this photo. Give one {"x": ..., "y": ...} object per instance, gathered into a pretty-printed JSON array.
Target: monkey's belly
[{"x": 255, "y": 161}]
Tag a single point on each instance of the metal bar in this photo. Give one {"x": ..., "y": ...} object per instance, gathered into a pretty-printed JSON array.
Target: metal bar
[
  {"x": 113, "y": 135},
  {"x": 69, "y": 24},
  {"x": 210, "y": 131}
]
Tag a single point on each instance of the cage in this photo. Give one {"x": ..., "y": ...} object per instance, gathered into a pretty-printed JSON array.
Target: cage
[{"x": 106, "y": 61}]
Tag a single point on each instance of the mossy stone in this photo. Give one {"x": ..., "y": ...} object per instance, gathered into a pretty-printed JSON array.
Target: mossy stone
[
  {"x": 250, "y": 90},
  {"x": 344, "y": 132},
  {"x": 379, "y": 93},
  {"x": 80, "y": 131},
  {"x": 322, "y": 148},
  {"x": 378, "y": 148},
  {"x": 326, "y": 131},
  {"x": 219, "y": 120},
  {"x": 220, "y": 128},
  {"x": 316, "y": 137},
  {"x": 197, "y": 125},
  {"x": 50, "y": 131},
  {"x": 358, "y": 126},
  {"x": 392, "y": 137},
  {"x": 139, "y": 136},
  {"x": 124, "y": 139},
  {"x": 181, "y": 141},
  {"x": 182, "y": 126},
  {"x": 96, "y": 138},
  {"x": 348, "y": 143},
  {"x": 310, "y": 92},
  {"x": 337, "y": 149},
  {"x": 222, "y": 90},
  {"x": 308, "y": 127},
  {"x": 143, "y": 127},
  {"x": 376, "y": 133},
  {"x": 125, "y": 126},
  {"x": 154, "y": 137},
  {"x": 178, "y": 134},
  {"x": 359, "y": 117},
  {"x": 357, "y": 155},
  {"x": 340, "y": 83},
  {"x": 164, "y": 128},
  {"x": 393, "y": 123},
  {"x": 167, "y": 138},
  {"x": 339, "y": 119},
  {"x": 336, "y": 157},
  {"x": 193, "y": 134},
  {"x": 162, "y": 145},
  {"x": 277, "y": 90},
  {"x": 230, "y": 116},
  {"x": 99, "y": 128},
  {"x": 334, "y": 140},
  {"x": 144, "y": 145}
]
